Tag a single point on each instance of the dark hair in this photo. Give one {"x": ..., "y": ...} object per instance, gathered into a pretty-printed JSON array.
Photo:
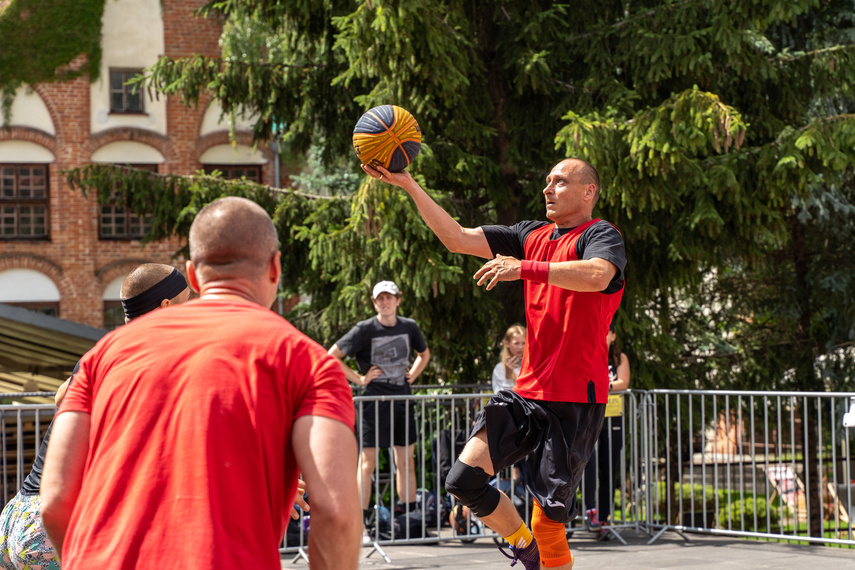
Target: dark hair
[{"x": 614, "y": 354}]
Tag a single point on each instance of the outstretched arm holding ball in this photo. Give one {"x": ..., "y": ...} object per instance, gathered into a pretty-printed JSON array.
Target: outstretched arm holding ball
[
  {"x": 455, "y": 237},
  {"x": 593, "y": 274},
  {"x": 579, "y": 275}
]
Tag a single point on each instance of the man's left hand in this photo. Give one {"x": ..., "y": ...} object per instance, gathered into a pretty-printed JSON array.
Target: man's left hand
[
  {"x": 300, "y": 500},
  {"x": 502, "y": 268},
  {"x": 395, "y": 178}
]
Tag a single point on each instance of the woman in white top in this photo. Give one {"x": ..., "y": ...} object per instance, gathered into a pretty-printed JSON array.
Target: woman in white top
[{"x": 505, "y": 372}]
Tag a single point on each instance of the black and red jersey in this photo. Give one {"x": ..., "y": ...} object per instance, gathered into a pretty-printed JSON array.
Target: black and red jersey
[{"x": 566, "y": 355}]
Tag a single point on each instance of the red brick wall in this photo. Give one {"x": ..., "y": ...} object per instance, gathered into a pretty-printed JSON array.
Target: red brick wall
[
  {"x": 184, "y": 36},
  {"x": 78, "y": 262}
]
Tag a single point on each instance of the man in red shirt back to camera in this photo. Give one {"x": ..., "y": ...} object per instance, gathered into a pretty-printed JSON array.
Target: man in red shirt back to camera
[
  {"x": 572, "y": 269},
  {"x": 181, "y": 439}
]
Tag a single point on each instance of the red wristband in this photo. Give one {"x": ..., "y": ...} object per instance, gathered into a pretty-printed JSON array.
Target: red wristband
[{"x": 535, "y": 270}]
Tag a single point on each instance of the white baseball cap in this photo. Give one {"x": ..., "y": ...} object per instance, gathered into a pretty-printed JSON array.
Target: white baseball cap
[{"x": 385, "y": 287}]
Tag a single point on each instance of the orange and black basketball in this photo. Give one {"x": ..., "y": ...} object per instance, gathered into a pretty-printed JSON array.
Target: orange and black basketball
[{"x": 387, "y": 136}]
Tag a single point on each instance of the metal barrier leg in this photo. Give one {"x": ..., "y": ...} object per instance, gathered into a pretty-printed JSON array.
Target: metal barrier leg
[
  {"x": 666, "y": 528},
  {"x": 301, "y": 553},
  {"x": 375, "y": 547},
  {"x": 657, "y": 535},
  {"x": 613, "y": 532}
]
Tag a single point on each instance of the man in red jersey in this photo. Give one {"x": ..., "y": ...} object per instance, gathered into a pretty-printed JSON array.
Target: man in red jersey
[
  {"x": 180, "y": 441},
  {"x": 23, "y": 540},
  {"x": 573, "y": 274}
]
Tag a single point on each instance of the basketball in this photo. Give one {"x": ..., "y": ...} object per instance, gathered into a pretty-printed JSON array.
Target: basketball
[
  {"x": 463, "y": 523},
  {"x": 387, "y": 136}
]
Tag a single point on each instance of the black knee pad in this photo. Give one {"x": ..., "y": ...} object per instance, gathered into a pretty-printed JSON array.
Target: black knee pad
[{"x": 469, "y": 485}]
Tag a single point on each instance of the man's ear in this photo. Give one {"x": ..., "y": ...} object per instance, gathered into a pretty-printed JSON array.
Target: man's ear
[
  {"x": 275, "y": 270},
  {"x": 590, "y": 191},
  {"x": 191, "y": 276},
  {"x": 165, "y": 303}
]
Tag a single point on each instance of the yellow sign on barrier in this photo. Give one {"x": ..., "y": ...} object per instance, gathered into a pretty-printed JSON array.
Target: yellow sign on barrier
[{"x": 614, "y": 407}]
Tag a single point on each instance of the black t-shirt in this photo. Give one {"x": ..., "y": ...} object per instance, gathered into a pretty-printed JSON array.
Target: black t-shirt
[
  {"x": 601, "y": 240},
  {"x": 390, "y": 348},
  {"x": 33, "y": 483}
]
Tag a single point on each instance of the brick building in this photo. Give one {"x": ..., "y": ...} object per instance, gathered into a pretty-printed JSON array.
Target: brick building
[{"x": 61, "y": 253}]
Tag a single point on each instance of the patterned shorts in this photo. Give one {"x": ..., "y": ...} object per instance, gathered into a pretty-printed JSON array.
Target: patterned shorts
[{"x": 24, "y": 545}]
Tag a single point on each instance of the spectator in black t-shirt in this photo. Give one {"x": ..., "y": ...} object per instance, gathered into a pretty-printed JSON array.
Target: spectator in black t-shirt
[{"x": 382, "y": 347}]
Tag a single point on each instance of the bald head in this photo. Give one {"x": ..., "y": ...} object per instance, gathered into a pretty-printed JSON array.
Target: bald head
[{"x": 232, "y": 237}]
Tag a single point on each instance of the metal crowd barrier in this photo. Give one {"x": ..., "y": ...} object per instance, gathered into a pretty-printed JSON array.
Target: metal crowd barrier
[
  {"x": 761, "y": 465},
  {"x": 24, "y": 427},
  {"x": 772, "y": 465},
  {"x": 742, "y": 464},
  {"x": 444, "y": 422}
]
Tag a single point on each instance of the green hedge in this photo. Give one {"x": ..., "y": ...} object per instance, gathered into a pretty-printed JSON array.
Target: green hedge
[{"x": 732, "y": 515}]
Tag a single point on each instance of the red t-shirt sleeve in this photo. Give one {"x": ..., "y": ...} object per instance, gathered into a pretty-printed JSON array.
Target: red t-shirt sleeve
[
  {"x": 328, "y": 394},
  {"x": 78, "y": 396}
]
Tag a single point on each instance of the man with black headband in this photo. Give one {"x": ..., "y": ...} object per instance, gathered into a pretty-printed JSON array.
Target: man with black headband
[
  {"x": 152, "y": 286},
  {"x": 181, "y": 439},
  {"x": 23, "y": 541}
]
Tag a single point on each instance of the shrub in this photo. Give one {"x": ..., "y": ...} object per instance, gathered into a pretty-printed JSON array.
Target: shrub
[
  {"x": 686, "y": 496},
  {"x": 731, "y": 515}
]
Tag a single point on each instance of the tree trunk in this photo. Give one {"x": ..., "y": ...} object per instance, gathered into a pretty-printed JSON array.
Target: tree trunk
[{"x": 806, "y": 377}]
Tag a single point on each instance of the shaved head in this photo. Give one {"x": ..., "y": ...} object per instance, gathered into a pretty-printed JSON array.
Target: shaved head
[
  {"x": 586, "y": 172},
  {"x": 151, "y": 286},
  {"x": 232, "y": 237},
  {"x": 144, "y": 278}
]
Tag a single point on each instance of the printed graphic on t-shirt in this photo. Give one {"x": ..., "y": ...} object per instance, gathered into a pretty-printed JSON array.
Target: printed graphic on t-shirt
[{"x": 392, "y": 355}]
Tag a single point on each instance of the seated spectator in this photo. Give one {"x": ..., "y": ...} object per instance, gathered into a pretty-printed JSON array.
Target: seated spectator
[{"x": 506, "y": 371}]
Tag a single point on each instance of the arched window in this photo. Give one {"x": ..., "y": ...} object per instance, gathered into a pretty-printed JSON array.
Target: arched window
[
  {"x": 24, "y": 190},
  {"x": 29, "y": 289},
  {"x": 235, "y": 162},
  {"x": 115, "y": 221}
]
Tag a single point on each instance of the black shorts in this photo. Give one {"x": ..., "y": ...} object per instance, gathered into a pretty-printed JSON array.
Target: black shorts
[
  {"x": 551, "y": 440},
  {"x": 381, "y": 429}
]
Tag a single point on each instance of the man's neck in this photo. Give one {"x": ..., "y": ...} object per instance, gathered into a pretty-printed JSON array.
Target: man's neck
[
  {"x": 389, "y": 321},
  {"x": 230, "y": 296},
  {"x": 232, "y": 289},
  {"x": 573, "y": 221}
]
